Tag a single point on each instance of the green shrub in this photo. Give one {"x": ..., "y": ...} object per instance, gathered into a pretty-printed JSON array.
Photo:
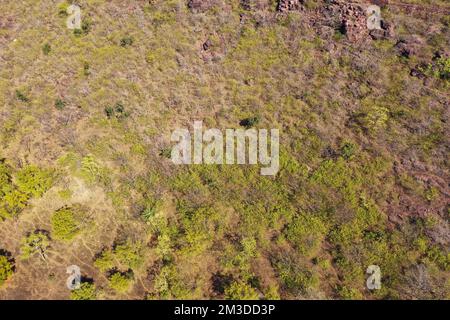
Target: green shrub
[
  {"x": 59, "y": 104},
  {"x": 372, "y": 117},
  {"x": 126, "y": 41},
  {"x": 166, "y": 153},
  {"x": 121, "y": 282},
  {"x": 87, "y": 291},
  {"x": 6, "y": 269},
  {"x": 240, "y": 291},
  {"x": 169, "y": 284},
  {"x": 109, "y": 111},
  {"x": 86, "y": 69},
  {"x": 118, "y": 112},
  {"x": 46, "y": 48},
  {"x": 152, "y": 208},
  {"x": 296, "y": 277},
  {"x": 129, "y": 254},
  {"x": 30, "y": 181},
  {"x": 249, "y": 122},
  {"x": 307, "y": 232},
  {"x": 105, "y": 261},
  {"x": 85, "y": 28},
  {"x": 347, "y": 293},
  {"x": 348, "y": 149},
  {"x": 21, "y": 96},
  {"x": 439, "y": 68},
  {"x": 65, "y": 224},
  {"x": 34, "y": 181},
  {"x": 14, "y": 201}
]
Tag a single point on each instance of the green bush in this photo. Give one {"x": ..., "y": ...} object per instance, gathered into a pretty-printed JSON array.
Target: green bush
[
  {"x": 126, "y": 41},
  {"x": 240, "y": 291},
  {"x": 296, "y": 277},
  {"x": 59, "y": 104},
  {"x": 21, "y": 96},
  {"x": 65, "y": 224},
  {"x": 169, "y": 284},
  {"x": 129, "y": 254},
  {"x": 46, "y": 48},
  {"x": 105, "y": 261},
  {"x": 307, "y": 232},
  {"x": 121, "y": 282},
  {"x": 6, "y": 269},
  {"x": 34, "y": 181},
  {"x": 249, "y": 122},
  {"x": 13, "y": 203},
  {"x": 348, "y": 149},
  {"x": 30, "y": 181},
  {"x": 86, "y": 69},
  {"x": 347, "y": 293},
  {"x": 118, "y": 112},
  {"x": 87, "y": 291}
]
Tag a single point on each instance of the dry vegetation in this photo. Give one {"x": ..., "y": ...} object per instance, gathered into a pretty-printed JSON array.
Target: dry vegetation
[{"x": 86, "y": 119}]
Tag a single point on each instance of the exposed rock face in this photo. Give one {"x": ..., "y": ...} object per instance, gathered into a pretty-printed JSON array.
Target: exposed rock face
[
  {"x": 387, "y": 31},
  {"x": 288, "y": 5},
  {"x": 255, "y": 5},
  {"x": 200, "y": 5},
  {"x": 354, "y": 23},
  {"x": 352, "y": 20},
  {"x": 410, "y": 46}
]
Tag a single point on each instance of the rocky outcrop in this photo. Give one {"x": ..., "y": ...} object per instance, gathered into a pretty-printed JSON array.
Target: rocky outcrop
[
  {"x": 288, "y": 5},
  {"x": 352, "y": 19},
  {"x": 200, "y": 5},
  {"x": 354, "y": 23},
  {"x": 387, "y": 31},
  {"x": 409, "y": 46},
  {"x": 255, "y": 5}
]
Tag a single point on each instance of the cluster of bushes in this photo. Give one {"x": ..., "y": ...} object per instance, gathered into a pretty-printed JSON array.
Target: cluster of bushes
[
  {"x": 439, "y": 68},
  {"x": 119, "y": 262}
]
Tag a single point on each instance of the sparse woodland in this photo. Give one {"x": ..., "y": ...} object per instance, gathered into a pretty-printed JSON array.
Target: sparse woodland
[{"x": 86, "y": 117}]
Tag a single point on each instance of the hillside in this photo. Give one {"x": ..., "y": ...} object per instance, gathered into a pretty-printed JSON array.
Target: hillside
[{"x": 86, "y": 177}]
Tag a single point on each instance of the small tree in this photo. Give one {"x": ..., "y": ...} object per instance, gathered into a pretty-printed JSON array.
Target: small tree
[{"x": 35, "y": 243}]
